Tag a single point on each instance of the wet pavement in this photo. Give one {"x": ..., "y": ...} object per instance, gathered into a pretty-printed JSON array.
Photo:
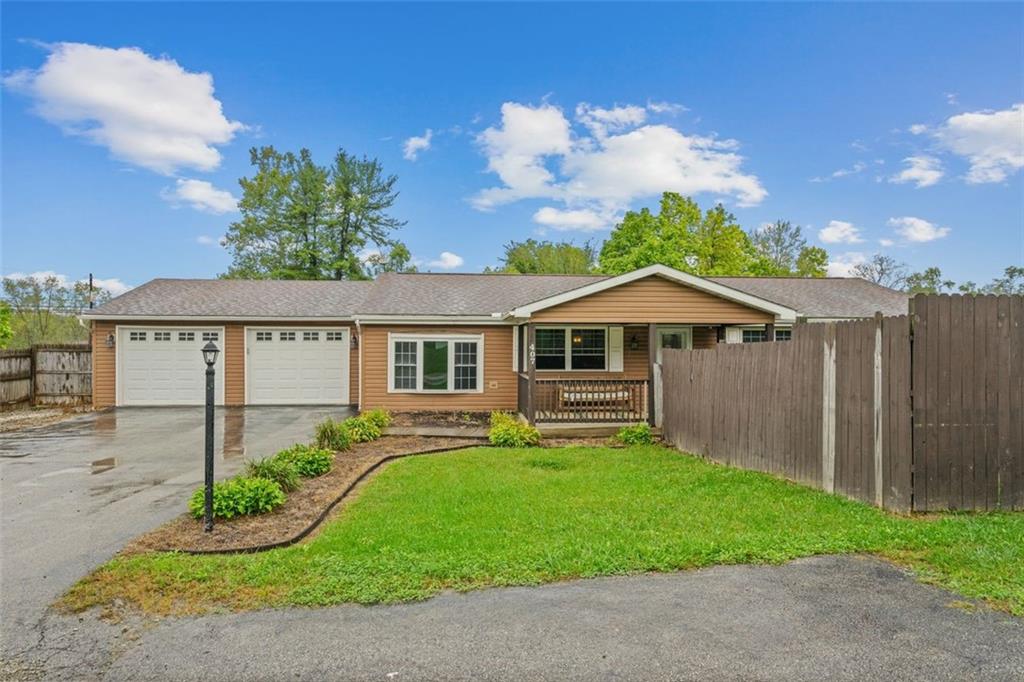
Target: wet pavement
[{"x": 73, "y": 493}]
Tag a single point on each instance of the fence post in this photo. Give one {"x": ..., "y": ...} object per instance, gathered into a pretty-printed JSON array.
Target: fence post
[
  {"x": 32, "y": 350},
  {"x": 828, "y": 403},
  {"x": 531, "y": 372},
  {"x": 879, "y": 479}
]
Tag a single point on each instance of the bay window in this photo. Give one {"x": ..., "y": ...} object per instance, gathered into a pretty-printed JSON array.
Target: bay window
[{"x": 435, "y": 363}]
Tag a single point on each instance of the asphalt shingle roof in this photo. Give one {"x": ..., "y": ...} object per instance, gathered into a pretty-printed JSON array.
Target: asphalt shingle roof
[
  {"x": 239, "y": 298},
  {"x": 824, "y": 296},
  {"x": 455, "y": 295}
]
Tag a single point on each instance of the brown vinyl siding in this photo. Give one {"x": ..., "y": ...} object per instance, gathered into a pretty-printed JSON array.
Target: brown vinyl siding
[
  {"x": 104, "y": 367},
  {"x": 653, "y": 299},
  {"x": 705, "y": 337},
  {"x": 499, "y": 382}
]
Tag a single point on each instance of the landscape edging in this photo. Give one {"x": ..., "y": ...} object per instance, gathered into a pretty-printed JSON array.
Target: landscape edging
[{"x": 301, "y": 535}]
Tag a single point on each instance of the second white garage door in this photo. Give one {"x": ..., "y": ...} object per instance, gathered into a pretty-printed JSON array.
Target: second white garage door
[{"x": 296, "y": 366}]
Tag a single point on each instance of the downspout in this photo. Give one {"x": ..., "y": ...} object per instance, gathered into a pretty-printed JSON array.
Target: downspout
[{"x": 359, "y": 345}]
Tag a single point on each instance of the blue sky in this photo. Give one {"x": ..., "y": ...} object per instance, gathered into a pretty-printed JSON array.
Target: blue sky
[{"x": 879, "y": 128}]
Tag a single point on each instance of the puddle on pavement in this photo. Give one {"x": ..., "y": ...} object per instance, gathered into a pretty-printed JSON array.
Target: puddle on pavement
[{"x": 101, "y": 465}]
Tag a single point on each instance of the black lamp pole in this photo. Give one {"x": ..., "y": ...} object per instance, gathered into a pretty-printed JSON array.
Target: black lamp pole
[{"x": 210, "y": 351}]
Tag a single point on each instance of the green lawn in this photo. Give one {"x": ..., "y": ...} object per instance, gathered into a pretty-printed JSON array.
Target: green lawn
[{"x": 486, "y": 516}]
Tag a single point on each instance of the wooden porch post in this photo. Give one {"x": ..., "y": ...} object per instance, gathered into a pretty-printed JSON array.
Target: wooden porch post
[
  {"x": 720, "y": 334},
  {"x": 652, "y": 358},
  {"x": 769, "y": 332},
  {"x": 531, "y": 371}
]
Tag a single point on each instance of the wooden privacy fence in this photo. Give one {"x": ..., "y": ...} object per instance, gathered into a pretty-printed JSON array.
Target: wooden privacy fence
[
  {"x": 918, "y": 412},
  {"x": 46, "y": 375}
]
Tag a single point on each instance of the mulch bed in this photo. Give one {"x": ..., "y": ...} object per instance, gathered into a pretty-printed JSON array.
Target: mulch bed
[
  {"x": 304, "y": 506},
  {"x": 17, "y": 418},
  {"x": 440, "y": 418}
]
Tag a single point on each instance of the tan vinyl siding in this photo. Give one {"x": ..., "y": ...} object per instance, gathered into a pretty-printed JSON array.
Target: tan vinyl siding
[
  {"x": 499, "y": 384},
  {"x": 705, "y": 337},
  {"x": 652, "y": 299},
  {"x": 104, "y": 368}
]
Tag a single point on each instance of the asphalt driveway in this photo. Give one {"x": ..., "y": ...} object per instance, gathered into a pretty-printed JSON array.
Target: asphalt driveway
[{"x": 72, "y": 493}]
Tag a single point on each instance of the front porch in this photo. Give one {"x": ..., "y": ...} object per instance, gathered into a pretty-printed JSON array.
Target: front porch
[{"x": 624, "y": 387}]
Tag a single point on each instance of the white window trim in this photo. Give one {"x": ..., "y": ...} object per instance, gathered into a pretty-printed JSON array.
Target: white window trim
[
  {"x": 568, "y": 346},
  {"x": 452, "y": 339}
]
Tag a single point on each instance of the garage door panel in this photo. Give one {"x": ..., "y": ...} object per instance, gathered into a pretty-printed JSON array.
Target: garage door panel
[
  {"x": 297, "y": 365},
  {"x": 164, "y": 366}
]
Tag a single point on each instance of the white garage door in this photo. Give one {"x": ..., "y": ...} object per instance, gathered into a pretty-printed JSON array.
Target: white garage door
[
  {"x": 296, "y": 366},
  {"x": 164, "y": 366}
]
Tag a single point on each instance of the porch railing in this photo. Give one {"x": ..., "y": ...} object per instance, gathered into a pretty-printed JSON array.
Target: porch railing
[{"x": 588, "y": 401}]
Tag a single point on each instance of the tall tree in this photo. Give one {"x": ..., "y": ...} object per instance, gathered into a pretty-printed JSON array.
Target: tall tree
[
  {"x": 44, "y": 309},
  {"x": 928, "y": 281},
  {"x": 1012, "y": 282},
  {"x": 812, "y": 262},
  {"x": 544, "y": 257},
  {"x": 781, "y": 250},
  {"x": 6, "y": 333},
  {"x": 884, "y": 270},
  {"x": 395, "y": 259},
  {"x": 680, "y": 236},
  {"x": 301, "y": 220}
]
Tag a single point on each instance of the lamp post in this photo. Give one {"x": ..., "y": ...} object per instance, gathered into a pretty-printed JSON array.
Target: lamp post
[{"x": 210, "y": 352}]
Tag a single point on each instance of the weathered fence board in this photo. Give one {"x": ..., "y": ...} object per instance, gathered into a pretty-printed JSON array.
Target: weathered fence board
[
  {"x": 921, "y": 412},
  {"x": 50, "y": 375}
]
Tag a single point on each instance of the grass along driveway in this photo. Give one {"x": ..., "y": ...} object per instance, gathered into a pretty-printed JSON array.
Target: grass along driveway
[{"x": 488, "y": 516}]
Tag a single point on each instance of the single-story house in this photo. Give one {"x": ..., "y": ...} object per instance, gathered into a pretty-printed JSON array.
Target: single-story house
[{"x": 556, "y": 348}]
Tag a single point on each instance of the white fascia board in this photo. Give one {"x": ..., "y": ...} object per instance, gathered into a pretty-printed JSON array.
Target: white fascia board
[
  {"x": 207, "y": 319},
  {"x": 782, "y": 313},
  {"x": 433, "y": 319}
]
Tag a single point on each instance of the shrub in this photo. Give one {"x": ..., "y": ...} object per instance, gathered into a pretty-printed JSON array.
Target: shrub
[
  {"x": 274, "y": 469},
  {"x": 309, "y": 461},
  {"x": 361, "y": 430},
  {"x": 380, "y": 418},
  {"x": 238, "y": 496},
  {"x": 508, "y": 432},
  {"x": 332, "y": 435},
  {"x": 637, "y": 434}
]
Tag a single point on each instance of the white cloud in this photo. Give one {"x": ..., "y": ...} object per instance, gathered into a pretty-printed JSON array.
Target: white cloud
[
  {"x": 918, "y": 129},
  {"x": 665, "y": 107},
  {"x": 573, "y": 219},
  {"x": 855, "y": 169},
  {"x": 991, "y": 141},
  {"x": 917, "y": 230},
  {"x": 115, "y": 286},
  {"x": 922, "y": 170},
  {"x": 200, "y": 195},
  {"x": 602, "y": 121},
  {"x": 446, "y": 261},
  {"x": 886, "y": 242},
  {"x": 147, "y": 111},
  {"x": 416, "y": 144},
  {"x": 843, "y": 264},
  {"x": 620, "y": 160},
  {"x": 952, "y": 99},
  {"x": 840, "y": 232}
]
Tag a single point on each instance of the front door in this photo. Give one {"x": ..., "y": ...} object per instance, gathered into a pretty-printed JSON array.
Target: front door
[
  {"x": 674, "y": 337},
  {"x": 678, "y": 338}
]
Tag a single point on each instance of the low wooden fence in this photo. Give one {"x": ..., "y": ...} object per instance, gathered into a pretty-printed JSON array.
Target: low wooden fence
[
  {"x": 46, "y": 375},
  {"x": 918, "y": 412}
]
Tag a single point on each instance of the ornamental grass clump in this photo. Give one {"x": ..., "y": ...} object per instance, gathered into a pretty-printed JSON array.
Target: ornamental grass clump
[
  {"x": 274, "y": 469},
  {"x": 309, "y": 461},
  {"x": 507, "y": 431},
  {"x": 238, "y": 497},
  {"x": 332, "y": 435}
]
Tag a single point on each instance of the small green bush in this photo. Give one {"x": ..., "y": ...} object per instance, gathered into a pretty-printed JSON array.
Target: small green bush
[
  {"x": 309, "y": 461},
  {"x": 637, "y": 434},
  {"x": 361, "y": 430},
  {"x": 380, "y": 418},
  {"x": 332, "y": 435},
  {"x": 274, "y": 469},
  {"x": 238, "y": 497},
  {"x": 508, "y": 432}
]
